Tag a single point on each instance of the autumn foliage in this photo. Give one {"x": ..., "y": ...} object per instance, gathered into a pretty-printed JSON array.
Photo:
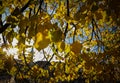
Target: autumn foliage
[{"x": 83, "y": 36}]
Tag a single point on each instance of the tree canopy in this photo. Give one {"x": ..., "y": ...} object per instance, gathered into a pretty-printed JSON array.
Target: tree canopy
[{"x": 83, "y": 36}]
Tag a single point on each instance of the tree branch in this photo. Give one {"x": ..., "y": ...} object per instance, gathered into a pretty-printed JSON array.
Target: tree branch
[
  {"x": 40, "y": 7},
  {"x": 68, "y": 16},
  {"x": 26, "y": 5}
]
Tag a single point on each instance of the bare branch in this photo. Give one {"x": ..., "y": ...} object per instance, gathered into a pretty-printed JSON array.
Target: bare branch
[{"x": 68, "y": 16}]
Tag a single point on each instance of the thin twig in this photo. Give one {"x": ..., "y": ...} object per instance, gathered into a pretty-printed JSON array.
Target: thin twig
[
  {"x": 74, "y": 32},
  {"x": 40, "y": 7},
  {"x": 53, "y": 10},
  {"x": 68, "y": 16}
]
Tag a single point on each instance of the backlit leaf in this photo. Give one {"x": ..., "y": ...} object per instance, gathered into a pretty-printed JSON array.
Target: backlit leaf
[{"x": 76, "y": 47}]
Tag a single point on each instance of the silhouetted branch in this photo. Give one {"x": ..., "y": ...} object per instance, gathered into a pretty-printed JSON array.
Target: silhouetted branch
[
  {"x": 68, "y": 16},
  {"x": 26, "y": 5},
  {"x": 40, "y": 7}
]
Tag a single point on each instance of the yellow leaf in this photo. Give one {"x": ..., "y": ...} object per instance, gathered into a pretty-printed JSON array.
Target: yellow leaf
[
  {"x": 76, "y": 69},
  {"x": 42, "y": 44},
  {"x": 34, "y": 19},
  {"x": 13, "y": 70},
  {"x": 61, "y": 46},
  {"x": 23, "y": 34},
  {"x": 69, "y": 77},
  {"x": 80, "y": 66},
  {"x": 56, "y": 35},
  {"x": 85, "y": 57},
  {"x": 42, "y": 41},
  {"x": 32, "y": 31},
  {"x": 67, "y": 69},
  {"x": 76, "y": 47},
  {"x": 67, "y": 48},
  {"x": 76, "y": 16},
  {"x": 39, "y": 37},
  {"x": 2, "y": 10},
  {"x": 10, "y": 36},
  {"x": 12, "y": 19},
  {"x": 23, "y": 23}
]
